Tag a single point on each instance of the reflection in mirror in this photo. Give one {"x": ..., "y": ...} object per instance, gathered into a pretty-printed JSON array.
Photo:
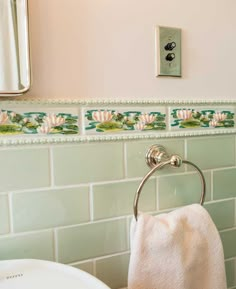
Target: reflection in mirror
[{"x": 14, "y": 47}]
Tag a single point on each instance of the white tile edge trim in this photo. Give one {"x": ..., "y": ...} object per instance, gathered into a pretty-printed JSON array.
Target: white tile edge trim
[
  {"x": 40, "y": 140},
  {"x": 111, "y": 101}
]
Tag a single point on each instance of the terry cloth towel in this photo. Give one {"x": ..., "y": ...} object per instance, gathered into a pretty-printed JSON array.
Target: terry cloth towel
[{"x": 178, "y": 250}]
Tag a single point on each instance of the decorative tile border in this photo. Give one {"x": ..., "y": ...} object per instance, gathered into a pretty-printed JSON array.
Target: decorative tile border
[
  {"x": 39, "y": 122},
  {"x": 117, "y": 120},
  {"x": 192, "y": 118}
]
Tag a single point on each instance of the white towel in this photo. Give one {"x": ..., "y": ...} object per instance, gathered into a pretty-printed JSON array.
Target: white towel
[{"x": 178, "y": 250}]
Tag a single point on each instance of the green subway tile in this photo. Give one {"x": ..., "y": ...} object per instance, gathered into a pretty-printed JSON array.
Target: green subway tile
[
  {"x": 136, "y": 151},
  {"x": 85, "y": 266},
  {"x": 229, "y": 241},
  {"x": 91, "y": 240},
  {"x": 88, "y": 163},
  {"x": 50, "y": 208},
  {"x": 116, "y": 199},
  {"x": 205, "y": 152},
  {"x": 4, "y": 215},
  {"x": 224, "y": 184},
  {"x": 222, "y": 213},
  {"x": 28, "y": 246},
  {"x": 230, "y": 267},
  {"x": 179, "y": 190},
  {"x": 113, "y": 271},
  {"x": 26, "y": 169}
]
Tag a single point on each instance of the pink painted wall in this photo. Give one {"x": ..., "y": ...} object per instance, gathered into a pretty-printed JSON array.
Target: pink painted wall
[{"x": 105, "y": 49}]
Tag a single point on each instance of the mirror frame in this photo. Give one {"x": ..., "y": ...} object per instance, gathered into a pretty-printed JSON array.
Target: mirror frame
[{"x": 8, "y": 93}]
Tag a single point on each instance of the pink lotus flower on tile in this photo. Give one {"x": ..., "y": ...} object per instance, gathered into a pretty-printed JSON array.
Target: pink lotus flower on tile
[
  {"x": 44, "y": 129},
  {"x": 53, "y": 120},
  {"x": 147, "y": 118},
  {"x": 219, "y": 116},
  {"x": 139, "y": 126},
  {"x": 12, "y": 114},
  {"x": 3, "y": 117},
  {"x": 25, "y": 120},
  {"x": 102, "y": 115},
  {"x": 213, "y": 123},
  {"x": 184, "y": 114}
]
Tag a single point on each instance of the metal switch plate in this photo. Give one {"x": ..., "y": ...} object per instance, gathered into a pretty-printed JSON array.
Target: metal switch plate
[{"x": 168, "y": 51}]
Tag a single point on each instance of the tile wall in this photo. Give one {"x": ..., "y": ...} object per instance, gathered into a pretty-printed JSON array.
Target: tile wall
[{"x": 72, "y": 203}]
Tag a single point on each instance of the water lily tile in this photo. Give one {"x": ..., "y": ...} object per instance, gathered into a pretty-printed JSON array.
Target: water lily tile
[
  {"x": 39, "y": 121},
  {"x": 124, "y": 120},
  {"x": 202, "y": 118}
]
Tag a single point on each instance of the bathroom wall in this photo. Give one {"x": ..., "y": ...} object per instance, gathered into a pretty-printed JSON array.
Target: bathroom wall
[
  {"x": 72, "y": 203},
  {"x": 105, "y": 49}
]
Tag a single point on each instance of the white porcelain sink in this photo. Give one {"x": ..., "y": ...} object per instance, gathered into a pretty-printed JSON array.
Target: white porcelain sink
[{"x": 38, "y": 274}]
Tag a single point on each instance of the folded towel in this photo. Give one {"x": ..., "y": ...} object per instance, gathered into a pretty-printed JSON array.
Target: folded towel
[{"x": 178, "y": 250}]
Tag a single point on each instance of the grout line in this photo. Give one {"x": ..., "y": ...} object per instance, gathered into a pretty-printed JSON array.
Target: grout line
[
  {"x": 50, "y": 188},
  {"x": 10, "y": 214},
  {"x": 91, "y": 203},
  {"x": 228, "y": 230},
  {"x": 235, "y": 272},
  {"x": 157, "y": 195},
  {"x": 80, "y": 262},
  {"x": 55, "y": 242},
  {"x": 125, "y": 165},
  {"x": 128, "y": 223},
  {"x": 185, "y": 153},
  {"x": 219, "y": 201},
  {"x": 81, "y": 123},
  {"x": 212, "y": 186},
  {"x": 230, "y": 259},
  {"x": 94, "y": 268},
  {"x": 12, "y": 233},
  {"x": 56, "y": 187},
  {"x": 51, "y": 167},
  {"x": 235, "y": 214},
  {"x": 25, "y": 233},
  {"x": 183, "y": 173},
  {"x": 3, "y": 193},
  {"x": 93, "y": 260},
  {"x": 112, "y": 255},
  {"x": 235, "y": 152},
  {"x": 223, "y": 169},
  {"x": 64, "y": 227}
]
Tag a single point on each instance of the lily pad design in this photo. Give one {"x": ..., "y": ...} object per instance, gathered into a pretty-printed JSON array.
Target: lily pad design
[
  {"x": 208, "y": 118},
  {"x": 109, "y": 126},
  {"x": 114, "y": 121},
  {"x": 12, "y": 122}
]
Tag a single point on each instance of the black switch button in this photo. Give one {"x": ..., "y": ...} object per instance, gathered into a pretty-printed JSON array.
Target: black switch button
[
  {"x": 170, "y": 56},
  {"x": 170, "y": 46}
]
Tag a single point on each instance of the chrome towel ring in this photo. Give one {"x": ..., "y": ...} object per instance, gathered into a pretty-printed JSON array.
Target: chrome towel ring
[{"x": 157, "y": 158}]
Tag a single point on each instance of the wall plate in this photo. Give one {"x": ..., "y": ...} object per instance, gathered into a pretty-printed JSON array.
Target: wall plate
[{"x": 168, "y": 51}]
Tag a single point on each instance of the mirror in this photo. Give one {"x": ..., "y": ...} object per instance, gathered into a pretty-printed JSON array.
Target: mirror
[{"x": 14, "y": 48}]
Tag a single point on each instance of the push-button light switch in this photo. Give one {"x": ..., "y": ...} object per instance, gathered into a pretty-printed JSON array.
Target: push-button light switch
[{"x": 168, "y": 51}]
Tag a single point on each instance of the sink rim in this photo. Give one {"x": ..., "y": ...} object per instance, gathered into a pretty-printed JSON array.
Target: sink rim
[{"x": 8, "y": 267}]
